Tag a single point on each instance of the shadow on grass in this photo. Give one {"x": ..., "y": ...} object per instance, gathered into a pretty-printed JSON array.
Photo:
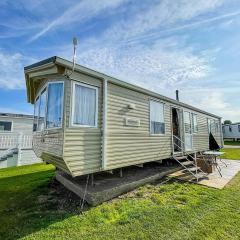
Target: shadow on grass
[{"x": 33, "y": 201}]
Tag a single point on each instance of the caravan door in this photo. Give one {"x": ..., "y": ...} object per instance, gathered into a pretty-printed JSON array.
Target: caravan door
[{"x": 188, "y": 138}]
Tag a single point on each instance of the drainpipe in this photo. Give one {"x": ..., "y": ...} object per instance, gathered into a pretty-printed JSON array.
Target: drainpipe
[{"x": 104, "y": 135}]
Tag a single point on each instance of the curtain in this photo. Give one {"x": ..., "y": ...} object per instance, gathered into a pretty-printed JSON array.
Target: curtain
[
  {"x": 54, "y": 105},
  {"x": 85, "y": 106},
  {"x": 157, "y": 118}
]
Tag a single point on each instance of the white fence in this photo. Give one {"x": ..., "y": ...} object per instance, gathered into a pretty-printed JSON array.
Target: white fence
[{"x": 14, "y": 140}]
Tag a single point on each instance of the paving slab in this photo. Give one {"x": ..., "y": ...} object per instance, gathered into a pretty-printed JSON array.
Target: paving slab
[{"x": 106, "y": 186}]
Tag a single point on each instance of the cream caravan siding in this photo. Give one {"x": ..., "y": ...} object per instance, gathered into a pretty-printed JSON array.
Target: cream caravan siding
[
  {"x": 82, "y": 145},
  {"x": 49, "y": 146},
  {"x": 19, "y": 124},
  {"x": 129, "y": 145},
  {"x": 201, "y": 138}
]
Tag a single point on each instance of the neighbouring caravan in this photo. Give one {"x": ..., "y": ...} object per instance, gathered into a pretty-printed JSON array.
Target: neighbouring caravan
[
  {"x": 231, "y": 131},
  {"x": 16, "y": 140},
  {"x": 86, "y": 122}
]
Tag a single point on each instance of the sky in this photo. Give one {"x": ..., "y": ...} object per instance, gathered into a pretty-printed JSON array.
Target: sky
[{"x": 161, "y": 45}]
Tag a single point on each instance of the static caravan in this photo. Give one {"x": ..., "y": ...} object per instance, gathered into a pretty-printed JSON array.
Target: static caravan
[
  {"x": 86, "y": 122},
  {"x": 231, "y": 131},
  {"x": 16, "y": 140}
]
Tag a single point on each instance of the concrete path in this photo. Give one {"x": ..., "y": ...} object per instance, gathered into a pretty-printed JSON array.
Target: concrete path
[{"x": 231, "y": 146}]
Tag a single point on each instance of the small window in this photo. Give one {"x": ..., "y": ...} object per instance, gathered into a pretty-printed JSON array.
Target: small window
[
  {"x": 42, "y": 110},
  {"x": 238, "y": 128},
  {"x": 223, "y": 129},
  {"x": 84, "y": 105},
  {"x": 54, "y": 105},
  {"x": 5, "y": 126},
  {"x": 194, "y": 123},
  {"x": 230, "y": 128},
  {"x": 157, "y": 124}
]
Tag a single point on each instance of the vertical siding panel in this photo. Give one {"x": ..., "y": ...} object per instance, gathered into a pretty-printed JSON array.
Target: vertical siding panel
[{"x": 82, "y": 145}]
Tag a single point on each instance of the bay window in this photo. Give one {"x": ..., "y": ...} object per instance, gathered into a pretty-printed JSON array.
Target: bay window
[
  {"x": 84, "y": 105},
  {"x": 54, "y": 105},
  {"x": 157, "y": 123},
  {"x": 48, "y": 108}
]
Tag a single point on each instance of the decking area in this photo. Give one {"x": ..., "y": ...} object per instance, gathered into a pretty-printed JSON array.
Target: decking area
[{"x": 229, "y": 169}]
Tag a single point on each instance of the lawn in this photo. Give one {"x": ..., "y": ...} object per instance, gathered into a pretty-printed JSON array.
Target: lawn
[
  {"x": 231, "y": 153},
  {"x": 233, "y": 143},
  {"x": 30, "y": 208}
]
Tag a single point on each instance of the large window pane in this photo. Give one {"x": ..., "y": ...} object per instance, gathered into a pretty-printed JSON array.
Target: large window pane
[
  {"x": 85, "y": 107},
  {"x": 42, "y": 110},
  {"x": 54, "y": 105},
  {"x": 157, "y": 118},
  {"x": 36, "y": 112}
]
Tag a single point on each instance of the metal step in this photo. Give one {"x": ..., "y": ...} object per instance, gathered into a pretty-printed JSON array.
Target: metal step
[
  {"x": 200, "y": 175},
  {"x": 193, "y": 169},
  {"x": 181, "y": 158},
  {"x": 187, "y": 163}
]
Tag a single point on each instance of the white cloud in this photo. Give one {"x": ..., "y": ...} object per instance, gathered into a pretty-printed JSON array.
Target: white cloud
[
  {"x": 11, "y": 70},
  {"x": 79, "y": 12},
  {"x": 164, "y": 14},
  {"x": 214, "y": 100},
  {"x": 155, "y": 67}
]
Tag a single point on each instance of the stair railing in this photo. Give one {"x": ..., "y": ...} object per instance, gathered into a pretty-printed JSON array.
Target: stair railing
[{"x": 188, "y": 155}]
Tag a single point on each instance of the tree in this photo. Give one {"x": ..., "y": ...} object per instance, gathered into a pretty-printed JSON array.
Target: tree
[{"x": 227, "y": 122}]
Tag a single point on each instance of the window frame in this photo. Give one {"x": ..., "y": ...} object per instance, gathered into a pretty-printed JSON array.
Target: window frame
[
  {"x": 193, "y": 131},
  {"x": 39, "y": 96},
  {"x": 45, "y": 126},
  {"x": 45, "y": 87},
  {"x": 74, "y": 83},
  {"x": 4, "y": 131},
  {"x": 163, "y": 104}
]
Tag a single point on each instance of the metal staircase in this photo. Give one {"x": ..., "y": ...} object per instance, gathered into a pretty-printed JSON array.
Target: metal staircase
[{"x": 188, "y": 162}]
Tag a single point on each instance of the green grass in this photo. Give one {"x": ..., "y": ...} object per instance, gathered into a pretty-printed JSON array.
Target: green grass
[
  {"x": 233, "y": 143},
  {"x": 231, "y": 153},
  {"x": 30, "y": 209}
]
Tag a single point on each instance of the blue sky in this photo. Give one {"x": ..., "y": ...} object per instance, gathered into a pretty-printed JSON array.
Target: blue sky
[{"x": 193, "y": 46}]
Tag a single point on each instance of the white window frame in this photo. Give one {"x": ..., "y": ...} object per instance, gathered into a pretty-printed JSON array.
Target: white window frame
[
  {"x": 39, "y": 95},
  {"x": 45, "y": 126},
  {"x": 74, "y": 83},
  {"x": 193, "y": 131},
  {"x": 156, "y": 134},
  {"x": 11, "y": 126}
]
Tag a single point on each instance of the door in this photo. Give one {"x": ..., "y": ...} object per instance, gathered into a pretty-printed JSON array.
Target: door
[
  {"x": 188, "y": 138},
  {"x": 176, "y": 130}
]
